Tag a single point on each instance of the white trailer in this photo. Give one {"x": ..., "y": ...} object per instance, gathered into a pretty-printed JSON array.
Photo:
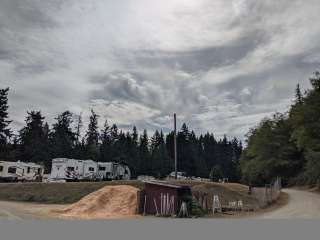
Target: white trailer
[
  {"x": 73, "y": 170},
  {"x": 123, "y": 172},
  {"x": 20, "y": 171},
  {"x": 80, "y": 170},
  {"x": 106, "y": 170}
]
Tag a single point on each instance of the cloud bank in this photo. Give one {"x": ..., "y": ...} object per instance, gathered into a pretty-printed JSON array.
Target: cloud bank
[{"x": 221, "y": 65}]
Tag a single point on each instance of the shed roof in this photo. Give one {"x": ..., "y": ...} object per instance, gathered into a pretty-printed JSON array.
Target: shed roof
[{"x": 167, "y": 184}]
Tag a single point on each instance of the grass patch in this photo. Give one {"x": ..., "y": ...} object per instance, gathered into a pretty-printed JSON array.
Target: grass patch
[
  {"x": 227, "y": 192},
  {"x": 55, "y": 193}
]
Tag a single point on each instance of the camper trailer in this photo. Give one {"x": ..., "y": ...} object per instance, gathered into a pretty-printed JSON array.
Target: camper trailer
[
  {"x": 73, "y": 170},
  {"x": 106, "y": 170},
  {"x": 113, "y": 171},
  {"x": 81, "y": 170},
  {"x": 20, "y": 171},
  {"x": 123, "y": 172}
]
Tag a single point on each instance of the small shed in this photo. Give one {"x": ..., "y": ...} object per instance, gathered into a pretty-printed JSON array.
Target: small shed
[{"x": 165, "y": 198}]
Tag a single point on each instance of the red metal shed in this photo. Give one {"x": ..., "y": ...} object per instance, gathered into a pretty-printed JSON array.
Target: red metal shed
[{"x": 161, "y": 195}]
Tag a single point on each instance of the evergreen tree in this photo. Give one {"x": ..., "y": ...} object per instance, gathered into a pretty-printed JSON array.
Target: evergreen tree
[
  {"x": 34, "y": 145},
  {"x": 78, "y": 129},
  {"x": 106, "y": 144},
  {"x": 299, "y": 96},
  {"x": 133, "y": 151},
  {"x": 144, "y": 154},
  {"x": 155, "y": 160},
  {"x": 5, "y": 132},
  {"x": 62, "y": 138},
  {"x": 92, "y": 137},
  {"x": 80, "y": 146},
  {"x": 270, "y": 152}
]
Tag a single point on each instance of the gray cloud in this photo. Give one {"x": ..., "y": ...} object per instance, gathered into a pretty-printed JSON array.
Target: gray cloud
[{"x": 221, "y": 65}]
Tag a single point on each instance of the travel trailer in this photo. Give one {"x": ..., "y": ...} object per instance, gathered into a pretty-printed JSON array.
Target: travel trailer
[
  {"x": 20, "y": 171},
  {"x": 72, "y": 170},
  {"x": 122, "y": 172},
  {"x": 106, "y": 170},
  {"x": 81, "y": 170}
]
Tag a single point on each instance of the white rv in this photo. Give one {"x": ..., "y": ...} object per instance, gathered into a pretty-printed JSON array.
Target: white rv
[
  {"x": 106, "y": 170},
  {"x": 72, "y": 169},
  {"x": 79, "y": 170},
  {"x": 123, "y": 172},
  {"x": 20, "y": 171}
]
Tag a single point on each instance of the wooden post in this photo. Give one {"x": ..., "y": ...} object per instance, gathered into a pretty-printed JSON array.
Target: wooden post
[
  {"x": 161, "y": 204},
  {"x": 168, "y": 204},
  {"x": 155, "y": 204},
  {"x": 175, "y": 147},
  {"x": 144, "y": 205},
  {"x": 173, "y": 208}
]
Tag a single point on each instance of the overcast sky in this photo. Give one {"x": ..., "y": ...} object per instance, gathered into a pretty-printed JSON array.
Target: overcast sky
[{"x": 222, "y": 65}]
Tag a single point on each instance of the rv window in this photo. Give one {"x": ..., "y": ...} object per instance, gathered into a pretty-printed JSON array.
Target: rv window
[
  {"x": 70, "y": 168},
  {"x": 12, "y": 170},
  {"x": 28, "y": 170},
  {"x": 102, "y": 168},
  {"x": 1, "y": 168},
  {"x": 91, "y": 169}
]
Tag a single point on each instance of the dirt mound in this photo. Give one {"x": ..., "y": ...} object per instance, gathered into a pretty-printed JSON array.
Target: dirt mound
[{"x": 108, "y": 202}]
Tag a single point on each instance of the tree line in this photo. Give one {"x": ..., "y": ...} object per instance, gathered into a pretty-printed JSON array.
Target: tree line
[
  {"x": 288, "y": 144},
  {"x": 37, "y": 142}
]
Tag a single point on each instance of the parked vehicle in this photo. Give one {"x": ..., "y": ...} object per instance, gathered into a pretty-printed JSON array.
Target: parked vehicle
[
  {"x": 20, "y": 171},
  {"x": 180, "y": 175},
  {"x": 146, "y": 178},
  {"x": 82, "y": 170}
]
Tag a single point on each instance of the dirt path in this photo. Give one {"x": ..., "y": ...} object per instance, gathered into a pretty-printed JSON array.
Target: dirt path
[
  {"x": 19, "y": 210},
  {"x": 302, "y": 204}
]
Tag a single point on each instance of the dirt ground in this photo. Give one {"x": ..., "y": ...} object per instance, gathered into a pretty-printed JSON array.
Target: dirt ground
[
  {"x": 108, "y": 202},
  {"x": 33, "y": 211},
  {"x": 281, "y": 202},
  {"x": 301, "y": 204},
  {"x": 292, "y": 204},
  {"x": 20, "y": 210}
]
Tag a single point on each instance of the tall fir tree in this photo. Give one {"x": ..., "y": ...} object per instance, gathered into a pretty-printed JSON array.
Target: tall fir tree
[
  {"x": 5, "y": 132},
  {"x": 144, "y": 154},
  {"x": 106, "y": 143},
  {"x": 92, "y": 137},
  {"x": 62, "y": 137},
  {"x": 34, "y": 142}
]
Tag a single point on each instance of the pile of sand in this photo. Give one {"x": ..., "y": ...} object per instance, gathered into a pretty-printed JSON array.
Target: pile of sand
[{"x": 108, "y": 202}]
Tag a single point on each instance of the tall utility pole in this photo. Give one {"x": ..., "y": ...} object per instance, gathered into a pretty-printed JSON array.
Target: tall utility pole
[{"x": 175, "y": 147}]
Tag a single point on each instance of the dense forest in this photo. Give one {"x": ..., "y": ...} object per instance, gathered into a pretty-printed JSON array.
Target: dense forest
[
  {"x": 288, "y": 144},
  {"x": 201, "y": 156}
]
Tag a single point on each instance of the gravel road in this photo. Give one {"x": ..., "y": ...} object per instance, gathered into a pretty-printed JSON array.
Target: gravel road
[{"x": 302, "y": 204}]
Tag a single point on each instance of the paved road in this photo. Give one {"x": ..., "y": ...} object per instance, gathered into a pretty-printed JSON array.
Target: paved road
[{"x": 302, "y": 204}]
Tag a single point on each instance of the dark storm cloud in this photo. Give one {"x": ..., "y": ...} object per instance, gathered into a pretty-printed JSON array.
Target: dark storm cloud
[{"x": 221, "y": 65}]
